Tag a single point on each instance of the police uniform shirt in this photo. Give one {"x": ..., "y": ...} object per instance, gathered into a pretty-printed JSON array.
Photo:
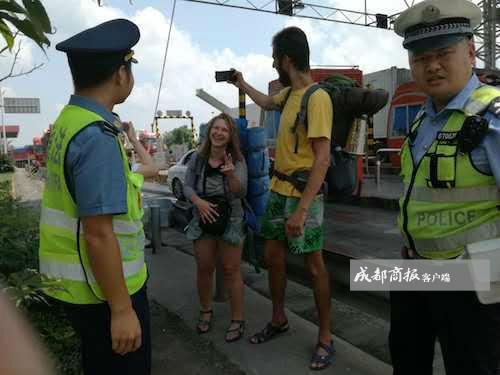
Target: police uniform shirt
[
  {"x": 93, "y": 166},
  {"x": 485, "y": 157}
]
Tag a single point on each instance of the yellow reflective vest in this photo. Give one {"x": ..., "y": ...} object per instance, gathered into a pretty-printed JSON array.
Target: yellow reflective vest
[
  {"x": 448, "y": 203},
  {"x": 63, "y": 249}
]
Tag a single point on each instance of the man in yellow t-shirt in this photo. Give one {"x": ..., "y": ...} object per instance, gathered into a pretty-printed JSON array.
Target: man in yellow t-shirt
[{"x": 294, "y": 219}]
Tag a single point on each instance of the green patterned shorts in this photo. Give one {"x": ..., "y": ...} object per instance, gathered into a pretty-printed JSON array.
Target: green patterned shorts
[{"x": 279, "y": 208}]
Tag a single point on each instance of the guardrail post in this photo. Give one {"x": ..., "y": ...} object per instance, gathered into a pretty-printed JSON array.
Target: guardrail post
[
  {"x": 155, "y": 227},
  {"x": 378, "y": 173},
  {"x": 367, "y": 169}
]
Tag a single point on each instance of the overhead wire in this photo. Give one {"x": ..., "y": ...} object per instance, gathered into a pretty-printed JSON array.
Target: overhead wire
[{"x": 164, "y": 60}]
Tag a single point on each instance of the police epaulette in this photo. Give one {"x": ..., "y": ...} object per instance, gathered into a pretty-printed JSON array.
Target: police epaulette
[
  {"x": 108, "y": 128},
  {"x": 494, "y": 107},
  {"x": 109, "y": 132}
]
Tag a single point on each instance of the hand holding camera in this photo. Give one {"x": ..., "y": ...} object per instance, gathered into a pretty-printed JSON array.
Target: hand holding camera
[{"x": 231, "y": 76}]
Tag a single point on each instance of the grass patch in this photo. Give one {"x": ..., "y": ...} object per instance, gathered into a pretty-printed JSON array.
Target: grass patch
[{"x": 6, "y": 177}]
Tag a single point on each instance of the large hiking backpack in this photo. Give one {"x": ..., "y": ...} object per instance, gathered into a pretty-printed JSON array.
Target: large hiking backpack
[{"x": 349, "y": 102}]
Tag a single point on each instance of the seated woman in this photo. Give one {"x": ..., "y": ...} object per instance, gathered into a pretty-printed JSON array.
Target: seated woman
[
  {"x": 147, "y": 167},
  {"x": 216, "y": 182}
]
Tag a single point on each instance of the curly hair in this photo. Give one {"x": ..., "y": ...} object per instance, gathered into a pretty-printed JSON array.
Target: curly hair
[{"x": 233, "y": 147}]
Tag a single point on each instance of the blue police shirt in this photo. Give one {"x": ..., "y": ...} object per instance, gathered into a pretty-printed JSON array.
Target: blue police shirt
[
  {"x": 93, "y": 166},
  {"x": 485, "y": 157}
]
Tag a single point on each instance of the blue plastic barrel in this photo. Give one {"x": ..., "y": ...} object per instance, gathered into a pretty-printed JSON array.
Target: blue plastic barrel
[
  {"x": 257, "y": 139},
  {"x": 258, "y": 185},
  {"x": 258, "y": 203},
  {"x": 258, "y": 163}
]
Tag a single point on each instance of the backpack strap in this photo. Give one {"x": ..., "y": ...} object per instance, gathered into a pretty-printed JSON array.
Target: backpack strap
[
  {"x": 301, "y": 118},
  {"x": 283, "y": 104},
  {"x": 198, "y": 168}
]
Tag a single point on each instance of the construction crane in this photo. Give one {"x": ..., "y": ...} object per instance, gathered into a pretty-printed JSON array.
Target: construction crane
[
  {"x": 207, "y": 98},
  {"x": 488, "y": 51}
]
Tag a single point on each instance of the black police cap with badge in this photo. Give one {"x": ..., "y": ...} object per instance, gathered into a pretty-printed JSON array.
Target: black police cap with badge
[
  {"x": 103, "y": 47},
  {"x": 436, "y": 24},
  {"x": 106, "y": 45}
]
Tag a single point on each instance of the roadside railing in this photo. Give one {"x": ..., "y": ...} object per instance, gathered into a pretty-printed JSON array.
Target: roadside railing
[{"x": 381, "y": 151}]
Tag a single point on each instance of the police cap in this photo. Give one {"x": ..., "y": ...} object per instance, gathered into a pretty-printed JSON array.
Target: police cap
[
  {"x": 108, "y": 44},
  {"x": 434, "y": 24}
]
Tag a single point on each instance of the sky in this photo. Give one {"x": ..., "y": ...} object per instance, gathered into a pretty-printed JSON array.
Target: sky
[{"x": 205, "y": 38}]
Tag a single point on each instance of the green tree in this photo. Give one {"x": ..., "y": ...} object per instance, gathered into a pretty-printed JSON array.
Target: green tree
[
  {"x": 178, "y": 136},
  {"x": 29, "y": 19}
]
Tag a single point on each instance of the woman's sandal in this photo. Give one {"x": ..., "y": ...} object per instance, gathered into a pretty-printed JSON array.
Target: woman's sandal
[
  {"x": 325, "y": 360},
  {"x": 269, "y": 332},
  {"x": 240, "y": 329},
  {"x": 204, "y": 325}
]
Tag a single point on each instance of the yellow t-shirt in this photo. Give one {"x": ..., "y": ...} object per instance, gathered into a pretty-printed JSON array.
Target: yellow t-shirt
[{"x": 319, "y": 121}]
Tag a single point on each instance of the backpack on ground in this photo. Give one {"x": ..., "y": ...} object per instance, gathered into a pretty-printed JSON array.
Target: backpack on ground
[{"x": 349, "y": 102}]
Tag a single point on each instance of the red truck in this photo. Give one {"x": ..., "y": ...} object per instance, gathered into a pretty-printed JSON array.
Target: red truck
[
  {"x": 149, "y": 141},
  {"x": 22, "y": 155}
]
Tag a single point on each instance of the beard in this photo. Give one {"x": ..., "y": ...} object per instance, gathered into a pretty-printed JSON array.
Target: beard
[{"x": 284, "y": 78}]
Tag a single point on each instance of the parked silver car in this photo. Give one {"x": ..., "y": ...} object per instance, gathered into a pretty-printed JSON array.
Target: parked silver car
[{"x": 177, "y": 173}]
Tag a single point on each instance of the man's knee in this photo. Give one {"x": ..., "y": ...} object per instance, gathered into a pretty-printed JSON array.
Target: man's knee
[
  {"x": 315, "y": 264},
  {"x": 274, "y": 255}
]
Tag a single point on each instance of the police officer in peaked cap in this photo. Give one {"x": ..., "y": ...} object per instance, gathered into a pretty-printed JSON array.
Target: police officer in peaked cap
[
  {"x": 451, "y": 168},
  {"x": 91, "y": 235}
]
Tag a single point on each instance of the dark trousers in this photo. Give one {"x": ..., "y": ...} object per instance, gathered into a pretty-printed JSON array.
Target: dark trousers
[
  {"x": 93, "y": 324},
  {"x": 469, "y": 333}
]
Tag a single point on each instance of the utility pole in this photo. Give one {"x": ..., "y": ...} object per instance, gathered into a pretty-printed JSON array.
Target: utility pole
[
  {"x": 4, "y": 132},
  {"x": 487, "y": 33}
]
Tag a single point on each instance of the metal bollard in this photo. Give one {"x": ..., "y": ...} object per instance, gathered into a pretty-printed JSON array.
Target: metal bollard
[
  {"x": 220, "y": 290},
  {"x": 378, "y": 173},
  {"x": 155, "y": 227}
]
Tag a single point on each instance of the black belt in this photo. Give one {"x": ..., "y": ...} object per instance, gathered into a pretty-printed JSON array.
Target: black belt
[{"x": 298, "y": 179}]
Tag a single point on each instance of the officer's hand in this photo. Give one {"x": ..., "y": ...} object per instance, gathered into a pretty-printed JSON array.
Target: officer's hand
[
  {"x": 294, "y": 226},
  {"x": 238, "y": 79},
  {"x": 128, "y": 128},
  {"x": 126, "y": 333}
]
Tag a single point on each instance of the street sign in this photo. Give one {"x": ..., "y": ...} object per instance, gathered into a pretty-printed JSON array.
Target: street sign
[
  {"x": 176, "y": 112},
  {"x": 21, "y": 105}
]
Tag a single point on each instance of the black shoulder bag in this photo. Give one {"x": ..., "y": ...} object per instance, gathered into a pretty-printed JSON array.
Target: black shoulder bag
[{"x": 223, "y": 208}]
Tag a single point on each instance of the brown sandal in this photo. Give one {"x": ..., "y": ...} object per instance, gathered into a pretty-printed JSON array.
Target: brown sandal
[
  {"x": 321, "y": 361},
  {"x": 268, "y": 332},
  {"x": 240, "y": 329},
  {"x": 204, "y": 325}
]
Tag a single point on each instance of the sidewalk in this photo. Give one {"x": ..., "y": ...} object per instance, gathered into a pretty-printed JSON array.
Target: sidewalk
[
  {"x": 172, "y": 285},
  {"x": 27, "y": 189}
]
